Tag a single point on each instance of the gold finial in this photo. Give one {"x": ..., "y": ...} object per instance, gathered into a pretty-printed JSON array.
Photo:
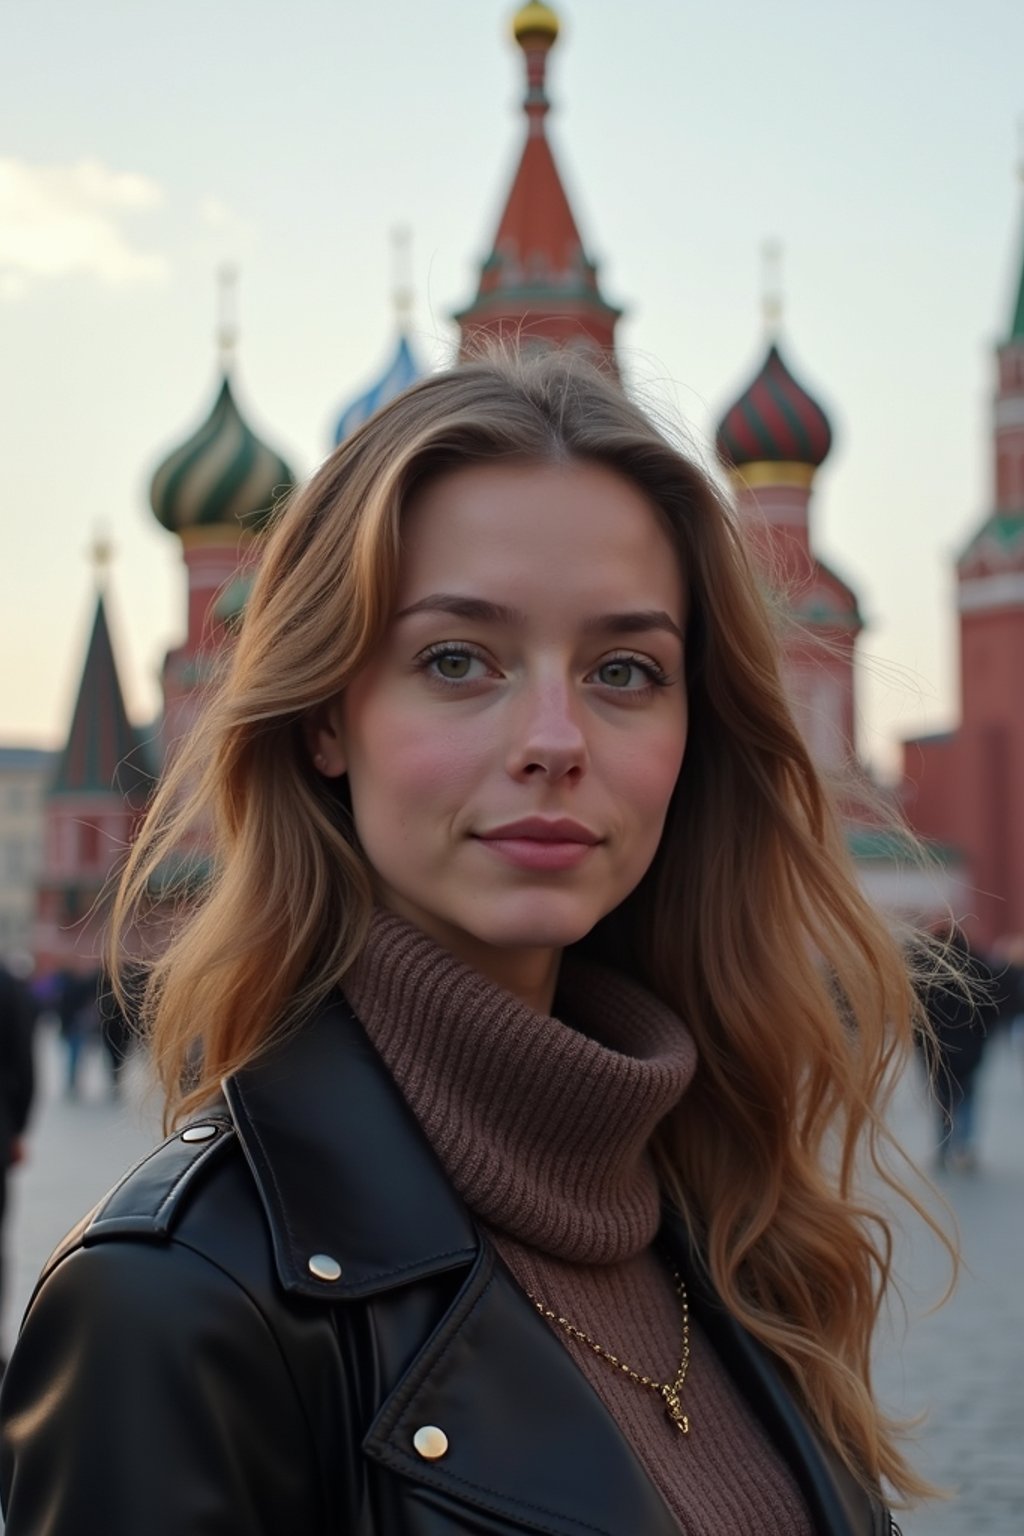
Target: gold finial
[
  {"x": 771, "y": 285},
  {"x": 535, "y": 28},
  {"x": 401, "y": 264},
  {"x": 227, "y": 314},
  {"x": 101, "y": 554},
  {"x": 535, "y": 21}
]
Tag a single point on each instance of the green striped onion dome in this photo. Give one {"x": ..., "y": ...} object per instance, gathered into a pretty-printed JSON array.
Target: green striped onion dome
[
  {"x": 223, "y": 475},
  {"x": 775, "y": 420}
]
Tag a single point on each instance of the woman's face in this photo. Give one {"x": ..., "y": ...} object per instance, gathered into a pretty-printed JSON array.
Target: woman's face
[{"x": 512, "y": 746}]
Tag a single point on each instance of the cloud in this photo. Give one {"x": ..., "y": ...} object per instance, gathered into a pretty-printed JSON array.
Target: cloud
[{"x": 59, "y": 220}]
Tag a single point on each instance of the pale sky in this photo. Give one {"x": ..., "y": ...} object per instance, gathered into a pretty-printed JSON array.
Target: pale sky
[{"x": 141, "y": 145}]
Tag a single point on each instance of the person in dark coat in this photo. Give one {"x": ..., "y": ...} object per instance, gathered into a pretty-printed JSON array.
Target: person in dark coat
[
  {"x": 17, "y": 1080},
  {"x": 960, "y": 1014},
  {"x": 78, "y": 1013},
  {"x": 118, "y": 1019}
]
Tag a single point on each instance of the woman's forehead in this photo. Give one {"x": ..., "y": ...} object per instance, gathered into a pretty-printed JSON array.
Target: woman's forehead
[{"x": 528, "y": 530}]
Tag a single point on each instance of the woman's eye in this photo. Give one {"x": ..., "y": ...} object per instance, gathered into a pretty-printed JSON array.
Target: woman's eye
[
  {"x": 623, "y": 674},
  {"x": 456, "y": 666},
  {"x": 453, "y": 666}
]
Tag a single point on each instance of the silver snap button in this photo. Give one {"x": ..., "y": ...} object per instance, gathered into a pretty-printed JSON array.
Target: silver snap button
[
  {"x": 430, "y": 1442},
  {"x": 324, "y": 1267},
  {"x": 199, "y": 1133}
]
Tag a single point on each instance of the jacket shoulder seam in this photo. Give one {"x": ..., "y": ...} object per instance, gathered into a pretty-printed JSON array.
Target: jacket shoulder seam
[{"x": 132, "y": 1210}]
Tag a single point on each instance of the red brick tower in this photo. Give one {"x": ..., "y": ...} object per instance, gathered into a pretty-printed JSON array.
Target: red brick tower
[
  {"x": 773, "y": 439},
  {"x": 962, "y": 788},
  {"x": 538, "y": 285}
]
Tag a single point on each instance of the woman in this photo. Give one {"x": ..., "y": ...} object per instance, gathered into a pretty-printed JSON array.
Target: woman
[{"x": 521, "y": 1047}]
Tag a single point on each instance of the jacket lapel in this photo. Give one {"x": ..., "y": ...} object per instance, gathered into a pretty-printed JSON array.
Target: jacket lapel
[
  {"x": 342, "y": 1167},
  {"x": 528, "y": 1438}
]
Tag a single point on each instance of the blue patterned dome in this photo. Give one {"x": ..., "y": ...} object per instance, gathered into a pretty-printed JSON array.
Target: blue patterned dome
[{"x": 402, "y": 371}]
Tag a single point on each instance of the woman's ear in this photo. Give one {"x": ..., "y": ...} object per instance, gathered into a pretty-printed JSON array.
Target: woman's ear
[{"x": 322, "y": 729}]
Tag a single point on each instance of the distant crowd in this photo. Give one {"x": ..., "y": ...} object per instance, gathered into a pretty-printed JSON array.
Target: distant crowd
[
  {"x": 92, "y": 1022},
  {"x": 90, "y": 1018}
]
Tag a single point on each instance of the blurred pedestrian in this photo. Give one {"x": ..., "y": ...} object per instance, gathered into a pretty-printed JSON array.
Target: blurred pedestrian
[
  {"x": 17, "y": 1083},
  {"x": 116, "y": 1021},
  {"x": 1009, "y": 958},
  {"x": 960, "y": 1012},
  {"x": 78, "y": 1011}
]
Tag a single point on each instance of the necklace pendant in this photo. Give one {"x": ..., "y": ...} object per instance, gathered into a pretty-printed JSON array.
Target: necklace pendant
[{"x": 674, "y": 1410}]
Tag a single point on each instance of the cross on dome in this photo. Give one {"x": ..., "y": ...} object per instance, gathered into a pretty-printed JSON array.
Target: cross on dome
[
  {"x": 227, "y": 314},
  {"x": 101, "y": 555},
  {"x": 771, "y": 286}
]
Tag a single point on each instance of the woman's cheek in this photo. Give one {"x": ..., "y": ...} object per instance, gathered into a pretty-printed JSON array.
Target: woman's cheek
[
  {"x": 415, "y": 771},
  {"x": 649, "y": 775}
]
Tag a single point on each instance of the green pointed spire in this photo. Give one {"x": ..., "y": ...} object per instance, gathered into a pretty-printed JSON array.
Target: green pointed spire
[{"x": 1017, "y": 326}]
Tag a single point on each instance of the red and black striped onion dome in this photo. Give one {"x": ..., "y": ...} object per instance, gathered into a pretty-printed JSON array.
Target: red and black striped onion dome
[{"x": 774, "y": 421}]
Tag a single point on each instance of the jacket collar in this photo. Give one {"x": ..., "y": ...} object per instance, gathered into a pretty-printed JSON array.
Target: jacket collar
[{"x": 343, "y": 1168}]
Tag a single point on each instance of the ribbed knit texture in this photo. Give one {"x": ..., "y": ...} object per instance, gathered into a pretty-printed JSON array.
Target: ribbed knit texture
[{"x": 543, "y": 1125}]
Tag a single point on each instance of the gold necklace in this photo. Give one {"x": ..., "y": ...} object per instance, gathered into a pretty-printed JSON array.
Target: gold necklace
[{"x": 667, "y": 1391}]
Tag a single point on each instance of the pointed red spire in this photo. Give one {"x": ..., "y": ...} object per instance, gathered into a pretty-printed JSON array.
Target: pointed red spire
[
  {"x": 103, "y": 755},
  {"x": 538, "y": 282},
  {"x": 99, "y": 790}
]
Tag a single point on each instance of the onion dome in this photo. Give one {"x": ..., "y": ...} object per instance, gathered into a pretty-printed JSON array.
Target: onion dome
[
  {"x": 400, "y": 372},
  {"x": 774, "y": 421},
  {"x": 535, "y": 22},
  {"x": 223, "y": 475}
]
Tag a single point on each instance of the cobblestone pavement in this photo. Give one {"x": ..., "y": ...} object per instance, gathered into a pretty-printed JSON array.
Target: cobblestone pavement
[{"x": 963, "y": 1366}]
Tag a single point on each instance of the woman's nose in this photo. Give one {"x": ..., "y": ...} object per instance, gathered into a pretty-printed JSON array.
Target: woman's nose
[{"x": 548, "y": 736}]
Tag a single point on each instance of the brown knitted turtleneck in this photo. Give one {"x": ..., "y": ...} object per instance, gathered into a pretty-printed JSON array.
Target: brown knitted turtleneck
[{"x": 543, "y": 1125}]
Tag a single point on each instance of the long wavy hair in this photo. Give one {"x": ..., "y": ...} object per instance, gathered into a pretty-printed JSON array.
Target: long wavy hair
[{"x": 750, "y": 923}]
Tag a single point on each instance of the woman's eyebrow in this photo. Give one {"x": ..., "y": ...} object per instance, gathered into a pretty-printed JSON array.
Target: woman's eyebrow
[
  {"x": 641, "y": 622},
  {"x": 479, "y": 610},
  {"x": 476, "y": 609}
]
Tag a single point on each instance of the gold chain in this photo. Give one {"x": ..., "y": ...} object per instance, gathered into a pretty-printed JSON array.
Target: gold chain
[{"x": 669, "y": 1392}]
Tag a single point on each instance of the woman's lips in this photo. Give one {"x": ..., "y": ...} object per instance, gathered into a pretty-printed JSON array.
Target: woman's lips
[
  {"x": 538, "y": 853},
  {"x": 536, "y": 843}
]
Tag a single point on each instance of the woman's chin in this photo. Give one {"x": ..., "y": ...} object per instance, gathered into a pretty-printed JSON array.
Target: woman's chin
[
  {"x": 534, "y": 924},
  {"x": 474, "y": 921}
]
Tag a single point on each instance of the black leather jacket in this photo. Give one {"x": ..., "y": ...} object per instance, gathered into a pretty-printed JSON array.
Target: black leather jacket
[{"x": 189, "y": 1367}]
